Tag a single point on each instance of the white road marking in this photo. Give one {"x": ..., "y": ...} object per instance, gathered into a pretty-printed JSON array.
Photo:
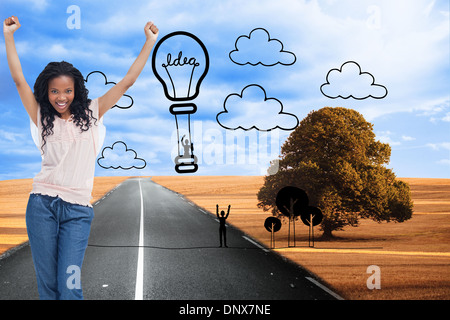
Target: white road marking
[
  {"x": 139, "y": 292},
  {"x": 256, "y": 244},
  {"x": 104, "y": 197},
  {"x": 325, "y": 288}
]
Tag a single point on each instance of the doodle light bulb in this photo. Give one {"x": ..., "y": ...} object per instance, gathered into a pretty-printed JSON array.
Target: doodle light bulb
[{"x": 180, "y": 62}]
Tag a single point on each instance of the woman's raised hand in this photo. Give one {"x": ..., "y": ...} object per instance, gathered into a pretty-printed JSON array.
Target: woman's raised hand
[
  {"x": 11, "y": 24},
  {"x": 151, "y": 31}
]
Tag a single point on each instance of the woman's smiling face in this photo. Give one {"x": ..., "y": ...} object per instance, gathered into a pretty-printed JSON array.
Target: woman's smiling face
[{"x": 61, "y": 92}]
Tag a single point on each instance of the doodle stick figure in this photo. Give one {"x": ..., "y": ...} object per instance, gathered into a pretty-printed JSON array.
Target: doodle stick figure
[
  {"x": 187, "y": 147},
  {"x": 222, "y": 228}
]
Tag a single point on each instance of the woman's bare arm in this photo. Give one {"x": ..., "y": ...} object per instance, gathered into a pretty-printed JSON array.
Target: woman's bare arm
[
  {"x": 109, "y": 99},
  {"x": 11, "y": 25}
]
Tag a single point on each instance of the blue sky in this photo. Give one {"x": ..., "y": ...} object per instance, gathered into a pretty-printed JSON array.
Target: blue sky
[{"x": 400, "y": 45}]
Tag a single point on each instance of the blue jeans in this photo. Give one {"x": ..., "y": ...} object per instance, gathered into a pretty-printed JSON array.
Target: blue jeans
[{"x": 58, "y": 232}]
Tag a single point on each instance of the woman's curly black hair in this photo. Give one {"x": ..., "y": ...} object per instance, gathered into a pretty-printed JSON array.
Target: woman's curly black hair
[{"x": 79, "y": 108}]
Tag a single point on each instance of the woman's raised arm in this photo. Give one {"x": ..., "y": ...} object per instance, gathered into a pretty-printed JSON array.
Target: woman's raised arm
[
  {"x": 110, "y": 98},
  {"x": 10, "y": 25}
]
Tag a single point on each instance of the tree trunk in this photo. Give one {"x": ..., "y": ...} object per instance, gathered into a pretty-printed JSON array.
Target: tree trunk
[{"x": 327, "y": 234}]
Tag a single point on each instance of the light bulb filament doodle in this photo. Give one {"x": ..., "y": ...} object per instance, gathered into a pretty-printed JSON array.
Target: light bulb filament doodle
[{"x": 178, "y": 62}]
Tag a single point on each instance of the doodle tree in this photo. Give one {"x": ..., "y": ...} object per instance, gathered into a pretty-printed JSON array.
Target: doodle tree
[
  {"x": 311, "y": 216},
  {"x": 291, "y": 201},
  {"x": 334, "y": 157},
  {"x": 272, "y": 225}
]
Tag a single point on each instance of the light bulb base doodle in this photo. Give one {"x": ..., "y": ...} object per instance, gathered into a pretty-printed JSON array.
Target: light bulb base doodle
[
  {"x": 186, "y": 165},
  {"x": 183, "y": 108}
]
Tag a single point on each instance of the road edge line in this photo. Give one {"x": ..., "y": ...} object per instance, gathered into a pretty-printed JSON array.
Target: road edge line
[
  {"x": 321, "y": 286},
  {"x": 256, "y": 244}
]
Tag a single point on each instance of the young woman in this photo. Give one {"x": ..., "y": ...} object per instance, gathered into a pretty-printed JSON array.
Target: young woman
[{"x": 59, "y": 212}]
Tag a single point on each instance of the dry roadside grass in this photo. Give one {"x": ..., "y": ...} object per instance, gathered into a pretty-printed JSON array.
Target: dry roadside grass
[
  {"x": 414, "y": 256},
  {"x": 13, "y": 203}
]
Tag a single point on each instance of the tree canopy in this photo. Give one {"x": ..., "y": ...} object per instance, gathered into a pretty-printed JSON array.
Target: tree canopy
[{"x": 333, "y": 155}]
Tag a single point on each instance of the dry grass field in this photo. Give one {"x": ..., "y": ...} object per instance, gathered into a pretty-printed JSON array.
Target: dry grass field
[
  {"x": 414, "y": 256},
  {"x": 13, "y": 203}
]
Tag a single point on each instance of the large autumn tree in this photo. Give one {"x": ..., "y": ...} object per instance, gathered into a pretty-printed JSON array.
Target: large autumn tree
[{"x": 334, "y": 157}]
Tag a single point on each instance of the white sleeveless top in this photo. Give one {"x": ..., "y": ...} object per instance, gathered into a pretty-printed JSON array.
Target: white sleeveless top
[{"x": 68, "y": 158}]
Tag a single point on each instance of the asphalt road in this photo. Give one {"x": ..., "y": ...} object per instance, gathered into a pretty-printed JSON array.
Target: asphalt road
[{"x": 150, "y": 243}]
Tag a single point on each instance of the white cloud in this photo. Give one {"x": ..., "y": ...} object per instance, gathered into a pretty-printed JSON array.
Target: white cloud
[
  {"x": 385, "y": 137},
  {"x": 259, "y": 48},
  {"x": 349, "y": 81},
  {"x": 58, "y": 50},
  {"x": 11, "y": 136},
  {"x": 305, "y": 27},
  {"x": 439, "y": 146},
  {"x": 438, "y": 111},
  {"x": 392, "y": 138},
  {"x": 39, "y": 5},
  {"x": 16, "y": 143},
  {"x": 407, "y": 52},
  {"x": 252, "y": 109},
  {"x": 444, "y": 161},
  {"x": 434, "y": 107},
  {"x": 119, "y": 156},
  {"x": 446, "y": 118},
  {"x": 77, "y": 52},
  {"x": 98, "y": 84},
  {"x": 408, "y": 138},
  {"x": 23, "y": 170}
]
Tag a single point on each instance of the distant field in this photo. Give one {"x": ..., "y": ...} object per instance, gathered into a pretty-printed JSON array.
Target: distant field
[{"x": 414, "y": 256}]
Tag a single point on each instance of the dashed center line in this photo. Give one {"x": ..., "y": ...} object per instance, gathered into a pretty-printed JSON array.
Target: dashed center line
[{"x": 139, "y": 291}]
